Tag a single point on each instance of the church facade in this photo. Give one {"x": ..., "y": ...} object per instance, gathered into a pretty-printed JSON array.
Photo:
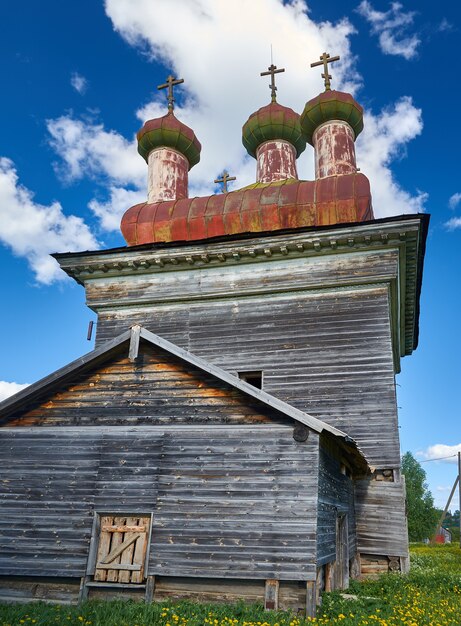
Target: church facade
[{"x": 234, "y": 433}]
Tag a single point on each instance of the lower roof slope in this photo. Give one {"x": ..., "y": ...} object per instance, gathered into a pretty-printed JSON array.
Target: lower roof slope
[{"x": 10, "y": 407}]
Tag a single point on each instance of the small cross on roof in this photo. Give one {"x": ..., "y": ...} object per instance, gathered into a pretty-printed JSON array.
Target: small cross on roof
[
  {"x": 169, "y": 84},
  {"x": 272, "y": 71},
  {"x": 324, "y": 60},
  {"x": 224, "y": 179}
]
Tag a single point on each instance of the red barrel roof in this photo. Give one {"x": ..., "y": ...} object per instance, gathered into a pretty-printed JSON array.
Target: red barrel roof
[{"x": 254, "y": 209}]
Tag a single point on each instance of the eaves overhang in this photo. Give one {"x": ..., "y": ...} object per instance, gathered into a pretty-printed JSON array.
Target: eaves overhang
[{"x": 407, "y": 234}]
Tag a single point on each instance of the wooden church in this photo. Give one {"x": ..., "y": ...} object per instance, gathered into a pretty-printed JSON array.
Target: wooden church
[{"x": 234, "y": 432}]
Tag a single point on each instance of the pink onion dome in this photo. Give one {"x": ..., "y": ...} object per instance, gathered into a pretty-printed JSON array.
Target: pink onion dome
[
  {"x": 273, "y": 122},
  {"x": 169, "y": 132}
]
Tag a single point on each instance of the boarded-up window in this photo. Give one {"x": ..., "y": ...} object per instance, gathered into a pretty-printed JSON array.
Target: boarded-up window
[{"x": 122, "y": 546}]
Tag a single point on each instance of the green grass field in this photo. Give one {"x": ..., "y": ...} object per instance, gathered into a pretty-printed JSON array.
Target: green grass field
[{"x": 430, "y": 594}]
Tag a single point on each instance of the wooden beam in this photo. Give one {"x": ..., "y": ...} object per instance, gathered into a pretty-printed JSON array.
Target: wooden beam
[
  {"x": 459, "y": 483},
  {"x": 271, "y": 595},
  {"x": 134, "y": 342},
  {"x": 328, "y": 576},
  {"x": 150, "y": 588},
  {"x": 442, "y": 517},
  {"x": 124, "y": 529},
  {"x": 311, "y": 598},
  {"x": 118, "y": 550},
  {"x": 83, "y": 591},
  {"x": 123, "y": 566}
]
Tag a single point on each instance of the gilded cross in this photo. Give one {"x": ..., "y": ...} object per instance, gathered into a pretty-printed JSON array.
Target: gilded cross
[
  {"x": 324, "y": 60},
  {"x": 272, "y": 71},
  {"x": 170, "y": 83},
  {"x": 225, "y": 178}
]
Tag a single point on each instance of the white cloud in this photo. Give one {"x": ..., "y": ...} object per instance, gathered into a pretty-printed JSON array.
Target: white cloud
[
  {"x": 445, "y": 26},
  {"x": 454, "y": 200},
  {"x": 88, "y": 149},
  {"x": 79, "y": 83},
  {"x": 440, "y": 451},
  {"x": 8, "y": 389},
  {"x": 383, "y": 141},
  {"x": 391, "y": 27},
  {"x": 110, "y": 212},
  {"x": 34, "y": 230},
  {"x": 222, "y": 87},
  {"x": 222, "y": 83},
  {"x": 453, "y": 224}
]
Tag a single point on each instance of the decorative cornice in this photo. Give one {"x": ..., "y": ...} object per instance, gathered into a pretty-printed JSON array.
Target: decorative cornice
[{"x": 406, "y": 234}]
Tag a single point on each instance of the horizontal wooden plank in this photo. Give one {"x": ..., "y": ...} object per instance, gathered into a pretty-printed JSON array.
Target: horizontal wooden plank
[{"x": 119, "y": 566}]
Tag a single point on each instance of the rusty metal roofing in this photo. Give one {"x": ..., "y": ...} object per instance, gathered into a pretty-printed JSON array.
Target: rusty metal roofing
[{"x": 258, "y": 208}]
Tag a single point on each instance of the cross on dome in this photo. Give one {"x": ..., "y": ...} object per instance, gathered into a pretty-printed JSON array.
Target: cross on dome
[
  {"x": 224, "y": 180},
  {"x": 324, "y": 60},
  {"x": 272, "y": 72},
  {"x": 170, "y": 83}
]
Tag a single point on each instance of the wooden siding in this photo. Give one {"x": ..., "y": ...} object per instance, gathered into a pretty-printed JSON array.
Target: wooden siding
[
  {"x": 336, "y": 495},
  {"x": 228, "y": 501},
  {"x": 381, "y": 519},
  {"x": 157, "y": 388},
  {"x": 263, "y": 277},
  {"x": 328, "y": 353}
]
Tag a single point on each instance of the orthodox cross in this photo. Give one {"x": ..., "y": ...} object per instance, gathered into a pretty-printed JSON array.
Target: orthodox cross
[
  {"x": 170, "y": 83},
  {"x": 225, "y": 178},
  {"x": 324, "y": 60},
  {"x": 272, "y": 71}
]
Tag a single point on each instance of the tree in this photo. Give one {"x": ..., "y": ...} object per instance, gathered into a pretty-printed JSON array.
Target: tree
[{"x": 422, "y": 515}]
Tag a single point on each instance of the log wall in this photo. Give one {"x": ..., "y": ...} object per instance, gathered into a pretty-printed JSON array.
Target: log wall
[
  {"x": 157, "y": 388},
  {"x": 336, "y": 495},
  {"x": 228, "y": 501},
  {"x": 326, "y": 353},
  {"x": 381, "y": 518}
]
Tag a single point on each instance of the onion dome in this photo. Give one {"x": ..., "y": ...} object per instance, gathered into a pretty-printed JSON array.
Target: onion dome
[
  {"x": 169, "y": 132},
  {"x": 273, "y": 122},
  {"x": 329, "y": 106}
]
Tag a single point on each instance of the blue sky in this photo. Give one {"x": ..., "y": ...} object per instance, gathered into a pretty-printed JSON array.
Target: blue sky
[{"x": 79, "y": 79}]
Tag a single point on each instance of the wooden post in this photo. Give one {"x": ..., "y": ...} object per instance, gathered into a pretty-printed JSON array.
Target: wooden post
[
  {"x": 459, "y": 489},
  {"x": 83, "y": 591},
  {"x": 442, "y": 517},
  {"x": 150, "y": 587},
  {"x": 271, "y": 595},
  {"x": 311, "y": 598},
  {"x": 356, "y": 567},
  {"x": 328, "y": 576}
]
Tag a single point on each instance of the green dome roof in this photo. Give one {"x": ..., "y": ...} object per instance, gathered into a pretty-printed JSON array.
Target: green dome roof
[
  {"x": 331, "y": 105},
  {"x": 273, "y": 122},
  {"x": 169, "y": 132}
]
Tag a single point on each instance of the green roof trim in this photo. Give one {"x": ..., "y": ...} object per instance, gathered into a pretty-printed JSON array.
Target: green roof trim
[
  {"x": 169, "y": 132},
  {"x": 273, "y": 122},
  {"x": 328, "y": 106}
]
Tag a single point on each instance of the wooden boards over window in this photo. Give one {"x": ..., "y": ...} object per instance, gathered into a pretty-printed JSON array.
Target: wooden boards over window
[{"x": 122, "y": 547}]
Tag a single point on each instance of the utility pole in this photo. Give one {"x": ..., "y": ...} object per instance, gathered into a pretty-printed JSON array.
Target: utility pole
[
  {"x": 459, "y": 488},
  {"x": 457, "y": 483}
]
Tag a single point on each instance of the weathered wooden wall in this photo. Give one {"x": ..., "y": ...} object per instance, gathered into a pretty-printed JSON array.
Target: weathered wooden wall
[
  {"x": 326, "y": 314},
  {"x": 158, "y": 388},
  {"x": 381, "y": 519},
  {"x": 228, "y": 501},
  {"x": 322, "y": 330},
  {"x": 336, "y": 495},
  {"x": 327, "y": 353}
]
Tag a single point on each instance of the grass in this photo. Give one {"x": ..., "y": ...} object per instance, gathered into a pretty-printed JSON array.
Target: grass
[{"x": 429, "y": 595}]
